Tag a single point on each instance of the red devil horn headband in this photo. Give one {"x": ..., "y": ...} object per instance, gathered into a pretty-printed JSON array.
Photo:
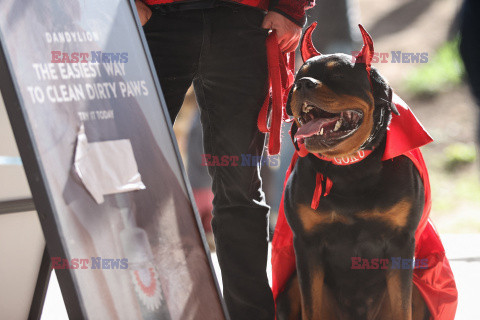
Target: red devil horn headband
[
  {"x": 308, "y": 49},
  {"x": 366, "y": 55}
]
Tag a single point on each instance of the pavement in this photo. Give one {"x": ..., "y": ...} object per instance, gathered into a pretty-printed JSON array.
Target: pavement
[{"x": 463, "y": 251}]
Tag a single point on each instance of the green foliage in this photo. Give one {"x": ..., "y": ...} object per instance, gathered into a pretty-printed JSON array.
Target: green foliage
[
  {"x": 445, "y": 69},
  {"x": 459, "y": 154}
]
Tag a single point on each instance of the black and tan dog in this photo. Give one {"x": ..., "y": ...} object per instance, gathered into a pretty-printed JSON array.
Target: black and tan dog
[{"x": 342, "y": 108}]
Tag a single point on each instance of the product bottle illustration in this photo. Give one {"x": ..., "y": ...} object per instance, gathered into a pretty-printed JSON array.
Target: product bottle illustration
[{"x": 142, "y": 269}]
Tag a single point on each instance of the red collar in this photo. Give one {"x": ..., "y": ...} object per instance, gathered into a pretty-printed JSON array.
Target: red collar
[{"x": 343, "y": 161}]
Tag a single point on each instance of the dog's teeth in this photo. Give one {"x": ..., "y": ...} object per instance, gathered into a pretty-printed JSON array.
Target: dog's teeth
[
  {"x": 338, "y": 125},
  {"x": 306, "y": 107},
  {"x": 321, "y": 132}
]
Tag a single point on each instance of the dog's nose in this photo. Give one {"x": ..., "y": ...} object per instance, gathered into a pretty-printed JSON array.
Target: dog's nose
[{"x": 306, "y": 83}]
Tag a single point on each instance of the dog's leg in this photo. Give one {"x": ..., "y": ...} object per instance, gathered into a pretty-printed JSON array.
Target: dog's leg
[
  {"x": 316, "y": 294},
  {"x": 399, "y": 288},
  {"x": 312, "y": 288},
  {"x": 310, "y": 273},
  {"x": 316, "y": 303},
  {"x": 289, "y": 301},
  {"x": 419, "y": 308}
]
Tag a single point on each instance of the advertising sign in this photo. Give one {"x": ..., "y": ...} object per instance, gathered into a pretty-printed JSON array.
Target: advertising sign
[{"x": 101, "y": 160}]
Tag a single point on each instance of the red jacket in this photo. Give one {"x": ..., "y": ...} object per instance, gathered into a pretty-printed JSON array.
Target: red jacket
[
  {"x": 436, "y": 283},
  {"x": 292, "y": 9}
]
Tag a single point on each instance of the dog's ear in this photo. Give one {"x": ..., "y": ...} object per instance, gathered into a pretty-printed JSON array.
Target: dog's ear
[
  {"x": 393, "y": 107},
  {"x": 381, "y": 90}
]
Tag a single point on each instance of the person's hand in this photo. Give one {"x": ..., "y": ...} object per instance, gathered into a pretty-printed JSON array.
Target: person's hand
[
  {"x": 144, "y": 11},
  {"x": 288, "y": 33}
]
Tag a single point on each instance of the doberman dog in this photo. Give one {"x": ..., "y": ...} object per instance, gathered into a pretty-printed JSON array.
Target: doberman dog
[{"x": 348, "y": 246}]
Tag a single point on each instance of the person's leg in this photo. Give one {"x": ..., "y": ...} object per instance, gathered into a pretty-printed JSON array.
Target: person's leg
[
  {"x": 230, "y": 89},
  {"x": 175, "y": 40},
  {"x": 334, "y": 30},
  {"x": 198, "y": 175},
  {"x": 469, "y": 48},
  {"x": 199, "y": 178}
]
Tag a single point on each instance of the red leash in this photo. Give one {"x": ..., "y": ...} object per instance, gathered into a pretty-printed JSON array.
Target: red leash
[{"x": 281, "y": 68}]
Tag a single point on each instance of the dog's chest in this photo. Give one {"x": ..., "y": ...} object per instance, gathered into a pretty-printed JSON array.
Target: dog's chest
[
  {"x": 360, "y": 222},
  {"x": 351, "y": 215}
]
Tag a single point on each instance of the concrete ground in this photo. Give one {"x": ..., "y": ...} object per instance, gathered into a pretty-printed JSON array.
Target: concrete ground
[{"x": 463, "y": 251}]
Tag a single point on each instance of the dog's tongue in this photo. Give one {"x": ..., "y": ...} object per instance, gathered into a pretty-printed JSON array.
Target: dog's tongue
[{"x": 312, "y": 127}]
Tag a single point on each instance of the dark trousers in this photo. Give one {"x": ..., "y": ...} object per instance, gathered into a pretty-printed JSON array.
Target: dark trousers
[
  {"x": 222, "y": 51},
  {"x": 470, "y": 47}
]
